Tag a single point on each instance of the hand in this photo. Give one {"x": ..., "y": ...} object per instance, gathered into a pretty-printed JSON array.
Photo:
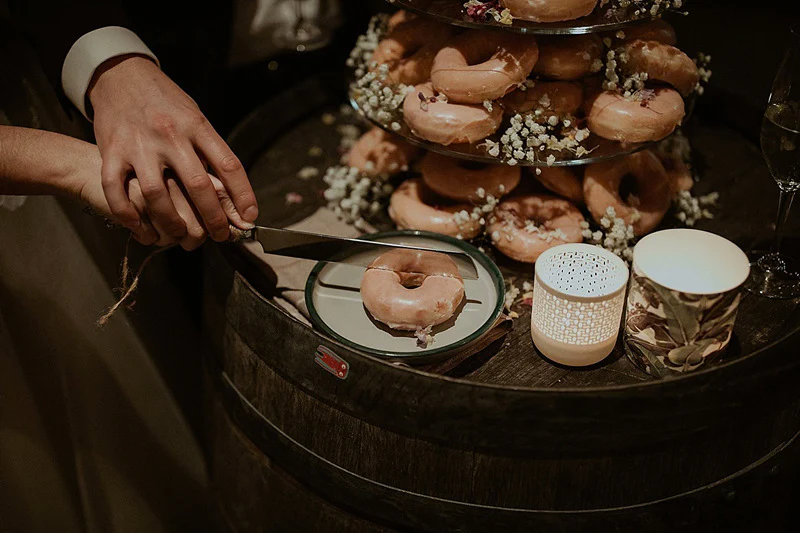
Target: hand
[
  {"x": 144, "y": 124},
  {"x": 84, "y": 183}
]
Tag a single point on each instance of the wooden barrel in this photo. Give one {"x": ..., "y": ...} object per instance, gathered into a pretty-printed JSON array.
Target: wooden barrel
[{"x": 294, "y": 447}]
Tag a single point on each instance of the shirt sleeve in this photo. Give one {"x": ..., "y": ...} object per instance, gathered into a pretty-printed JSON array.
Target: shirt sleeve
[{"x": 92, "y": 50}]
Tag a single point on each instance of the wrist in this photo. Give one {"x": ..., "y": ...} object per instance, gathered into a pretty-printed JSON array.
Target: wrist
[{"x": 115, "y": 73}]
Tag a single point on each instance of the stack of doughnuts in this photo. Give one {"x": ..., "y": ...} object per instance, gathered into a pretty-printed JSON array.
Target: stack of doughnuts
[
  {"x": 464, "y": 199},
  {"x": 466, "y": 81}
]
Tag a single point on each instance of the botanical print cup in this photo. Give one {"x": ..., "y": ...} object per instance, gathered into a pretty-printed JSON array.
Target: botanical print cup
[
  {"x": 683, "y": 298},
  {"x": 578, "y": 299}
]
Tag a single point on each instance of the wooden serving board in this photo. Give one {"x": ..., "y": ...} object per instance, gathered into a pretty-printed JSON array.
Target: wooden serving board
[{"x": 274, "y": 143}]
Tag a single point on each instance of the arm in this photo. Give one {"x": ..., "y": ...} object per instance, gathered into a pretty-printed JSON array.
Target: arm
[
  {"x": 144, "y": 123},
  {"x": 40, "y": 162}
]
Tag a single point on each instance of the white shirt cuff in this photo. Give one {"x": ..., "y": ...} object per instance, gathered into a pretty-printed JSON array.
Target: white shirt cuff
[{"x": 91, "y": 51}]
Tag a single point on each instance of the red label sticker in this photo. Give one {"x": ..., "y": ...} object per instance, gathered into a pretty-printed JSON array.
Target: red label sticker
[{"x": 331, "y": 362}]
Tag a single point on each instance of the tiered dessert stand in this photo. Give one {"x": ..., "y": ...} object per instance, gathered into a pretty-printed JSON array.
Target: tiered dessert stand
[{"x": 502, "y": 440}]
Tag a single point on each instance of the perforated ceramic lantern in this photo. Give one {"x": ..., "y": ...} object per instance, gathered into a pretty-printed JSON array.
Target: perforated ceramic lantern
[{"x": 578, "y": 298}]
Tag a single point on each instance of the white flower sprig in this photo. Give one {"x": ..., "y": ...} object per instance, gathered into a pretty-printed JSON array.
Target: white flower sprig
[
  {"x": 353, "y": 195},
  {"x": 640, "y": 7},
  {"x": 366, "y": 44},
  {"x": 615, "y": 235},
  {"x": 529, "y": 135},
  {"x": 379, "y": 100},
  {"x": 691, "y": 209}
]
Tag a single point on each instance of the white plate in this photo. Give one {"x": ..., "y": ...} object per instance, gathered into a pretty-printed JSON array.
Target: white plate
[{"x": 334, "y": 303}]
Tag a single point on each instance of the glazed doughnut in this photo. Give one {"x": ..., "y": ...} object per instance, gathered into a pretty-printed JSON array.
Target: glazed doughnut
[
  {"x": 380, "y": 153},
  {"x": 461, "y": 180},
  {"x": 483, "y": 65},
  {"x": 662, "y": 62},
  {"x": 525, "y": 226},
  {"x": 568, "y": 58},
  {"x": 549, "y": 10},
  {"x": 562, "y": 181},
  {"x": 657, "y": 30},
  {"x": 414, "y": 206},
  {"x": 679, "y": 173},
  {"x": 562, "y": 98},
  {"x": 651, "y": 195},
  {"x": 412, "y": 290},
  {"x": 614, "y": 117},
  {"x": 399, "y": 17},
  {"x": 410, "y": 48},
  {"x": 446, "y": 123}
]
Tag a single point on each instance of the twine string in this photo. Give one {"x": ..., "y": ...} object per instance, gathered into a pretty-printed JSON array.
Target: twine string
[{"x": 128, "y": 289}]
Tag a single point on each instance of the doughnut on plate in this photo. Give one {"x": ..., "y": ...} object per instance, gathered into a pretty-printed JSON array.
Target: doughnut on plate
[{"x": 334, "y": 302}]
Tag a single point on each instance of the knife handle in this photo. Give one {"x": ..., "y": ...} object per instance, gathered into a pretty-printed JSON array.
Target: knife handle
[{"x": 238, "y": 235}]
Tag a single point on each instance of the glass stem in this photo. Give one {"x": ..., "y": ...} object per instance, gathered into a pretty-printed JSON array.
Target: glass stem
[
  {"x": 298, "y": 9},
  {"x": 784, "y": 204}
]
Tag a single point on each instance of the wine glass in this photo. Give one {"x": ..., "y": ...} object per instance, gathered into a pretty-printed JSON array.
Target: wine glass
[
  {"x": 775, "y": 274},
  {"x": 302, "y": 34}
]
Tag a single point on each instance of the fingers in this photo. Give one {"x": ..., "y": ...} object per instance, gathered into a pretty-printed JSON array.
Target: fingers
[
  {"x": 195, "y": 232},
  {"x": 158, "y": 200},
  {"x": 114, "y": 173},
  {"x": 229, "y": 170},
  {"x": 149, "y": 235},
  {"x": 196, "y": 181},
  {"x": 227, "y": 205}
]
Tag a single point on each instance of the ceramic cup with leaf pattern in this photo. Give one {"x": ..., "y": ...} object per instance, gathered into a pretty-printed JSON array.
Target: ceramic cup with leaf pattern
[{"x": 683, "y": 297}]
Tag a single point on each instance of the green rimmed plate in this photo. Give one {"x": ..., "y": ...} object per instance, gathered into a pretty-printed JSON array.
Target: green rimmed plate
[{"x": 334, "y": 303}]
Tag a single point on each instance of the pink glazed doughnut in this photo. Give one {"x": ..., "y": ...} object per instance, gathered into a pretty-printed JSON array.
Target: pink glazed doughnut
[
  {"x": 657, "y": 30},
  {"x": 412, "y": 290},
  {"x": 549, "y": 10},
  {"x": 601, "y": 182},
  {"x": 483, "y": 65},
  {"x": 556, "y": 221},
  {"x": 553, "y": 97},
  {"x": 568, "y": 57},
  {"x": 662, "y": 62},
  {"x": 446, "y": 123},
  {"x": 679, "y": 173},
  {"x": 414, "y": 206},
  {"x": 379, "y": 153},
  {"x": 562, "y": 181},
  {"x": 614, "y": 117},
  {"x": 409, "y": 49},
  {"x": 460, "y": 180}
]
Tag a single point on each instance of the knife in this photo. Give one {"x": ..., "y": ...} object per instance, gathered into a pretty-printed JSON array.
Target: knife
[{"x": 359, "y": 252}]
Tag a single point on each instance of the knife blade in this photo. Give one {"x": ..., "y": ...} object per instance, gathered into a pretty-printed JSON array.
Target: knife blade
[{"x": 359, "y": 252}]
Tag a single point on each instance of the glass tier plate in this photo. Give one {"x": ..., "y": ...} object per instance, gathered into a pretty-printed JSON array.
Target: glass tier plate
[
  {"x": 599, "y": 149},
  {"x": 605, "y": 18}
]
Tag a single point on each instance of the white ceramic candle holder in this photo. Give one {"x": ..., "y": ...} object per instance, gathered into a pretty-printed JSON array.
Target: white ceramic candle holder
[
  {"x": 683, "y": 299},
  {"x": 578, "y": 297}
]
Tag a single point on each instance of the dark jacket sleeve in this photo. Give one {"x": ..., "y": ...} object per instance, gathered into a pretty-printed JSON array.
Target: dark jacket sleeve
[{"x": 53, "y": 26}]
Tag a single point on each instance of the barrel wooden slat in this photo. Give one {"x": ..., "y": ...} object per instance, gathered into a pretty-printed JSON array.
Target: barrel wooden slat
[
  {"x": 757, "y": 494},
  {"x": 281, "y": 503},
  {"x": 534, "y": 482}
]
